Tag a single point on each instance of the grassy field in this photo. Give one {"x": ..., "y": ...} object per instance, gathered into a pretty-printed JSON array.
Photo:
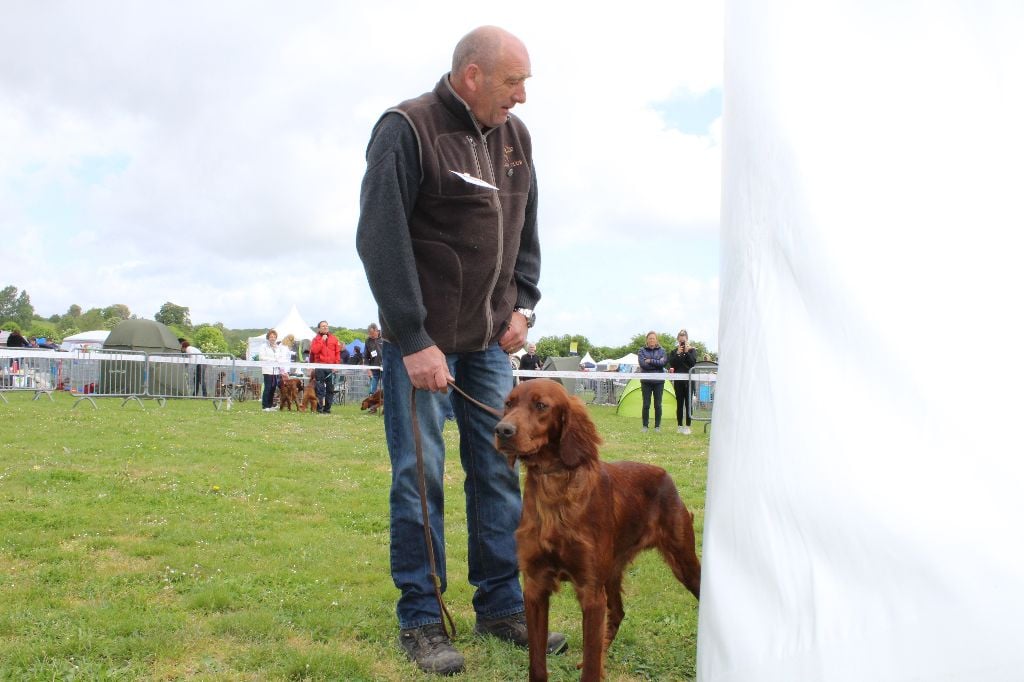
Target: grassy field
[{"x": 142, "y": 543}]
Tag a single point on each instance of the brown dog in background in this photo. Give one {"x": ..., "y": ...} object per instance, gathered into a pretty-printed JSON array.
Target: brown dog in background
[
  {"x": 585, "y": 520},
  {"x": 289, "y": 389},
  {"x": 374, "y": 402},
  {"x": 309, "y": 398}
]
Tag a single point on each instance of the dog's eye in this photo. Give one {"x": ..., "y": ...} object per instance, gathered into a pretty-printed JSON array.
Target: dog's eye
[{"x": 540, "y": 406}]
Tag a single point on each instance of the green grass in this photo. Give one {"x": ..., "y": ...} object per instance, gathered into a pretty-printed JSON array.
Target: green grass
[{"x": 189, "y": 543}]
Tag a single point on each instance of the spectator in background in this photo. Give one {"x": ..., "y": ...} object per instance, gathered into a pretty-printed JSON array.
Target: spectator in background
[
  {"x": 16, "y": 340},
  {"x": 289, "y": 343},
  {"x": 324, "y": 349},
  {"x": 529, "y": 360},
  {"x": 652, "y": 359},
  {"x": 272, "y": 351},
  {"x": 680, "y": 360},
  {"x": 356, "y": 358},
  {"x": 344, "y": 355},
  {"x": 372, "y": 356},
  {"x": 189, "y": 349}
]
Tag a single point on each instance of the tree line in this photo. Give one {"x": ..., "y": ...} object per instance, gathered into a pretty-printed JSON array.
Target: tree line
[{"x": 17, "y": 312}]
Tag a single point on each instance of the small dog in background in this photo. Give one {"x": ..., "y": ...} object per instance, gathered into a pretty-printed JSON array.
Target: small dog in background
[
  {"x": 220, "y": 388},
  {"x": 374, "y": 402},
  {"x": 309, "y": 398},
  {"x": 289, "y": 390}
]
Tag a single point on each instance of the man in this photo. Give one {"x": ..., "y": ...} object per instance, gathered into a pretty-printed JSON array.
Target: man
[
  {"x": 372, "y": 356},
  {"x": 448, "y": 237},
  {"x": 324, "y": 349},
  {"x": 189, "y": 349},
  {"x": 529, "y": 360}
]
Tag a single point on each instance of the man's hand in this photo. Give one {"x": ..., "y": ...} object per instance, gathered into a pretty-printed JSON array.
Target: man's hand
[
  {"x": 428, "y": 369},
  {"x": 515, "y": 336}
]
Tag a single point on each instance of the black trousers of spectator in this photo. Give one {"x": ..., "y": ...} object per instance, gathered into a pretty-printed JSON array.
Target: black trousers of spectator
[
  {"x": 655, "y": 389},
  {"x": 324, "y": 390},
  {"x": 200, "y": 380},
  {"x": 682, "y": 389}
]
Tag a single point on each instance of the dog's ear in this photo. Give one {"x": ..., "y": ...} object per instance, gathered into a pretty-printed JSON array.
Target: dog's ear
[{"x": 579, "y": 438}]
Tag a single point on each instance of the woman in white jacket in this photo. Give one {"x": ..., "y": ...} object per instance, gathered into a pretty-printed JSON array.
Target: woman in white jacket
[{"x": 272, "y": 351}]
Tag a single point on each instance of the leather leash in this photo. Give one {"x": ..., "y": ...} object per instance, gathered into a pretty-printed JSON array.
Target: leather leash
[{"x": 421, "y": 473}]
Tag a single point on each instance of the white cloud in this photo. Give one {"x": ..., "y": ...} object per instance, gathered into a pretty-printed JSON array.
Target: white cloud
[{"x": 227, "y": 142}]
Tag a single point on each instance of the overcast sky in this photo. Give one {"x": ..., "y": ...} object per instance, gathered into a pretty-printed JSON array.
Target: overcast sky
[{"x": 210, "y": 154}]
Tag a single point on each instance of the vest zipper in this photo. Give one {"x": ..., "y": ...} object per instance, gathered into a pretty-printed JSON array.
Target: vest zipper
[{"x": 501, "y": 230}]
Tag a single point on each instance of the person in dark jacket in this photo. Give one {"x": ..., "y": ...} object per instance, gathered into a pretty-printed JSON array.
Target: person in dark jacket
[
  {"x": 16, "y": 340},
  {"x": 530, "y": 360},
  {"x": 447, "y": 234},
  {"x": 652, "y": 358},
  {"x": 372, "y": 356},
  {"x": 680, "y": 360}
]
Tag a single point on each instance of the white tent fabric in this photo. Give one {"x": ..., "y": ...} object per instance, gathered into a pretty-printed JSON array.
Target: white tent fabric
[
  {"x": 864, "y": 502},
  {"x": 587, "y": 361},
  {"x": 84, "y": 340},
  {"x": 292, "y": 323}
]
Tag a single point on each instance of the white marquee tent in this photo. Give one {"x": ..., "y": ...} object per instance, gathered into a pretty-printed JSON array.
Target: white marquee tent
[
  {"x": 293, "y": 323},
  {"x": 862, "y": 522},
  {"x": 85, "y": 340}
]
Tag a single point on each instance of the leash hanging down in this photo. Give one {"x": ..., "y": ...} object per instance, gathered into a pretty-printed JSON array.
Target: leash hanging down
[{"x": 435, "y": 578}]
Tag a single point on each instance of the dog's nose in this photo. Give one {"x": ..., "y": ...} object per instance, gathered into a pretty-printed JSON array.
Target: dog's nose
[{"x": 504, "y": 430}]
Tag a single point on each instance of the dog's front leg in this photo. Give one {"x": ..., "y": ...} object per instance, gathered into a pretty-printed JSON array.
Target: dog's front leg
[
  {"x": 594, "y": 603},
  {"x": 537, "y": 600}
]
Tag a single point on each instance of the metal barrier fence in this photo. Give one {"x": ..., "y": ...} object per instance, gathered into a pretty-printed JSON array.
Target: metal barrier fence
[
  {"x": 223, "y": 380},
  {"x": 27, "y": 370},
  {"x": 703, "y": 377}
]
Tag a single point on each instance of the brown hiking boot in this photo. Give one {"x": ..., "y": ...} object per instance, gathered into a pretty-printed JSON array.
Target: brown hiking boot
[
  {"x": 431, "y": 649},
  {"x": 513, "y": 629}
]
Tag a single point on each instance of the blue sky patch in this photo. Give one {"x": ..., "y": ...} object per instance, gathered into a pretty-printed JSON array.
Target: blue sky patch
[{"x": 692, "y": 113}]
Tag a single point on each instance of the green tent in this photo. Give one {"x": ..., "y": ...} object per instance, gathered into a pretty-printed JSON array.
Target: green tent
[
  {"x": 146, "y": 335},
  {"x": 569, "y": 364},
  {"x": 631, "y": 402},
  {"x": 128, "y": 377}
]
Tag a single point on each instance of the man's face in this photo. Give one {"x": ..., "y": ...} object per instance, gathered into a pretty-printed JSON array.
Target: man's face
[
  {"x": 322, "y": 328},
  {"x": 503, "y": 87},
  {"x": 532, "y": 349},
  {"x": 373, "y": 333}
]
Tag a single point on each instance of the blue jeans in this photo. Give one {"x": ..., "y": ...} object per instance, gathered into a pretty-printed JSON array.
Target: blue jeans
[
  {"x": 493, "y": 502},
  {"x": 374, "y": 380}
]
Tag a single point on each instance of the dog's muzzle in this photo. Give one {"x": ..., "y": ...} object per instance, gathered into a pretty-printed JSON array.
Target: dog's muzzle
[{"x": 504, "y": 430}]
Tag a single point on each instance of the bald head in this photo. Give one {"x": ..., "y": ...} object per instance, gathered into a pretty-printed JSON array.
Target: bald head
[
  {"x": 483, "y": 46},
  {"x": 489, "y": 71}
]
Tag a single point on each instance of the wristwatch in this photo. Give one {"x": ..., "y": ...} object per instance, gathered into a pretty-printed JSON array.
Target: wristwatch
[{"x": 531, "y": 317}]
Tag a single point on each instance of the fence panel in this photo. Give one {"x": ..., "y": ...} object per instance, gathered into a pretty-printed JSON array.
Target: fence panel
[
  {"x": 703, "y": 377},
  {"x": 192, "y": 376},
  {"x": 97, "y": 373},
  {"x": 29, "y": 370}
]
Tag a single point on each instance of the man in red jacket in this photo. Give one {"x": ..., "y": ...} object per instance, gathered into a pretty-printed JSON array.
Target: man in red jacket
[{"x": 325, "y": 349}]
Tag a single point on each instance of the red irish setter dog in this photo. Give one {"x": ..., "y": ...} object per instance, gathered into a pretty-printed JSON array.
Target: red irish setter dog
[
  {"x": 585, "y": 520},
  {"x": 309, "y": 399},
  {"x": 289, "y": 391}
]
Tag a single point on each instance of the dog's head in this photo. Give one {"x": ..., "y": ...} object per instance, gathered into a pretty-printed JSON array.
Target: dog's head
[{"x": 544, "y": 426}]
